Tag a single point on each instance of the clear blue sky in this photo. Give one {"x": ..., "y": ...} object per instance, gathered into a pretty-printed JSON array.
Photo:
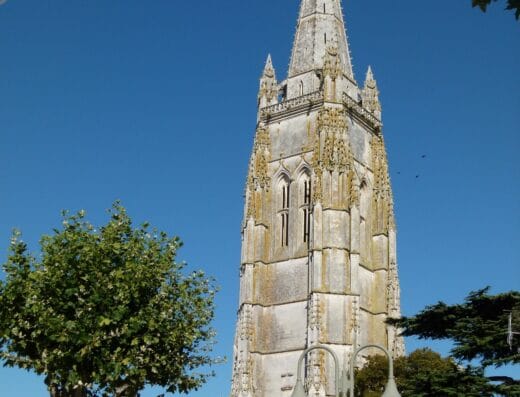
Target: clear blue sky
[{"x": 153, "y": 103}]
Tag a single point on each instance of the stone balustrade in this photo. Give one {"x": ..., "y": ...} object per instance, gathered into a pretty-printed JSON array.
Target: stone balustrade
[
  {"x": 315, "y": 97},
  {"x": 300, "y": 101},
  {"x": 353, "y": 105}
]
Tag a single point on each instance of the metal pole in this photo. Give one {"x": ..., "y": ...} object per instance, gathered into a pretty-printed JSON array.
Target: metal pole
[
  {"x": 353, "y": 362},
  {"x": 336, "y": 365}
]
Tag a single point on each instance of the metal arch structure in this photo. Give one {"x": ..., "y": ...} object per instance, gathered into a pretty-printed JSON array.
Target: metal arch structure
[{"x": 347, "y": 383}]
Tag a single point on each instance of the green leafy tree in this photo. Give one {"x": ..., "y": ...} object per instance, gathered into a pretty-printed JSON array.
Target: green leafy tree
[
  {"x": 513, "y": 5},
  {"x": 478, "y": 329},
  {"x": 423, "y": 373},
  {"x": 106, "y": 311}
]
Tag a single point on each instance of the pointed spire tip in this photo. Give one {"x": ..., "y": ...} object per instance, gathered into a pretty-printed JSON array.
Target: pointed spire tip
[
  {"x": 269, "y": 61},
  {"x": 268, "y": 64},
  {"x": 370, "y": 80},
  {"x": 318, "y": 24},
  {"x": 268, "y": 68}
]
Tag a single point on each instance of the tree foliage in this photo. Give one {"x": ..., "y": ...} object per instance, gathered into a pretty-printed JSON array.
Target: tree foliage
[
  {"x": 477, "y": 327},
  {"x": 513, "y": 5},
  {"x": 106, "y": 310},
  {"x": 423, "y": 373}
]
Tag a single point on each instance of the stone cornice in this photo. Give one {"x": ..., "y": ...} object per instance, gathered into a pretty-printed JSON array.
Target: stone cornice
[
  {"x": 301, "y": 258},
  {"x": 372, "y": 312},
  {"x": 270, "y": 353},
  {"x": 331, "y": 247},
  {"x": 345, "y": 294},
  {"x": 373, "y": 270},
  {"x": 264, "y": 306}
]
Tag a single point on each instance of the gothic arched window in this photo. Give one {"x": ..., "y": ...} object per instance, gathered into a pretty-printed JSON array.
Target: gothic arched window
[
  {"x": 284, "y": 201},
  {"x": 305, "y": 205}
]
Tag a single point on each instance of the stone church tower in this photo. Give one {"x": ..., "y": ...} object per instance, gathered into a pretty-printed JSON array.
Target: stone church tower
[{"x": 319, "y": 239}]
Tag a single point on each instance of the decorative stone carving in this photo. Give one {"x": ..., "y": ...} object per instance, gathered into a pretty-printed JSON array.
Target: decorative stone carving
[
  {"x": 314, "y": 315},
  {"x": 268, "y": 92},
  {"x": 332, "y": 71},
  {"x": 332, "y": 119},
  {"x": 335, "y": 155},
  {"x": 355, "y": 322},
  {"x": 394, "y": 308},
  {"x": 317, "y": 191},
  {"x": 243, "y": 365},
  {"x": 332, "y": 62},
  {"x": 315, "y": 364},
  {"x": 382, "y": 202},
  {"x": 250, "y": 193},
  {"x": 258, "y": 179},
  {"x": 317, "y": 194},
  {"x": 353, "y": 188},
  {"x": 328, "y": 158},
  {"x": 393, "y": 295},
  {"x": 344, "y": 156},
  {"x": 317, "y": 378},
  {"x": 246, "y": 323},
  {"x": 262, "y": 158},
  {"x": 370, "y": 95},
  {"x": 336, "y": 152}
]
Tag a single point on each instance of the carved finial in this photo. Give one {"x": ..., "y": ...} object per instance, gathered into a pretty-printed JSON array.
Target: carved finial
[
  {"x": 371, "y": 95},
  {"x": 268, "y": 68},
  {"x": 268, "y": 93},
  {"x": 370, "y": 78}
]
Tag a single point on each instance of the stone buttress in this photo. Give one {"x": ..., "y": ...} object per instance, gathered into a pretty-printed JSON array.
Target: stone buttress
[{"x": 319, "y": 262}]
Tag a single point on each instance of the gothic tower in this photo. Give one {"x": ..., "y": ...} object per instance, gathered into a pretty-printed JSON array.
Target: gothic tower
[{"x": 319, "y": 239}]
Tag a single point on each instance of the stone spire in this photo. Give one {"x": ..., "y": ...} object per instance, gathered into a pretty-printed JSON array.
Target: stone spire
[
  {"x": 268, "y": 93},
  {"x": 319, "y": 23},
  {"x": 371, "y": 95}
]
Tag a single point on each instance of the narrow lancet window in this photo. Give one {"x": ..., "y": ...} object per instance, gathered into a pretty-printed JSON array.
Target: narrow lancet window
[
  {"x": 284, "y": 214},
  {"x": 306, "y": 210}
]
